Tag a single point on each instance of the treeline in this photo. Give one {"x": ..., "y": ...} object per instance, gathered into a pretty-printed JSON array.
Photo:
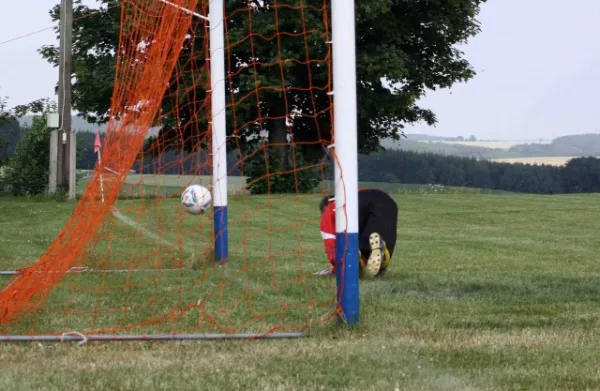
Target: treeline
[
  {"x": 10, "y": 133},
  {"x": 580, "y": 175},
  {"x": 449, "y": 149}
]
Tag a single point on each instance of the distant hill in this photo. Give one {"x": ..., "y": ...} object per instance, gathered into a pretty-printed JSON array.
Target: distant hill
[
  {"x": 427, "y": 137},
  {"x": 77, "y": 123},
  {"x": 572, "y": 145},
  {"x": 447, "y": 148}
]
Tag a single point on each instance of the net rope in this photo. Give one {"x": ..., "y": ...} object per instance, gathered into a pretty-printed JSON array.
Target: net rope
[{"x": 279, "y": 103}]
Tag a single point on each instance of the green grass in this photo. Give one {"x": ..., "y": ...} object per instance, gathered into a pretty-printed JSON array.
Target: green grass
[
  {"x": 486, "y": 292},
  {"x": 162, "y": 185}
]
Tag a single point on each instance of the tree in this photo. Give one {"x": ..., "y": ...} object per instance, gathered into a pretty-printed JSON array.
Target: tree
[
  {"x": 27, "y": 170},
  {"x": 9, "y": 128},
  {"x": 410, "y": 45},
  {"x": 26, "y": 173},
  {"x": 10, "y": 132},
  {"x": 5, "y": 116},
  {"x": 582, "y": 175}
]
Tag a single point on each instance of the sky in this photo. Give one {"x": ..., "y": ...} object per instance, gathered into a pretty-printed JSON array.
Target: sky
[{"x": 537, "y": 65}]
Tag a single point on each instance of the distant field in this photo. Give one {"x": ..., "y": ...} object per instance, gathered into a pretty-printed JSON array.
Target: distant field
[
  {"x": 549, "y": 160},
  {"x": 493, "y": 144},
  {"x": 138, "y": 185},
  {"x": 234, "y": 183},
  {"x": 146, "y": 185}
]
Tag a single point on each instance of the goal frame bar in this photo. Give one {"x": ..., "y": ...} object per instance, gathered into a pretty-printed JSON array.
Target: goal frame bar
[
  {"x": 83, "y": 338},
  {"x": 345, "y": 158}
]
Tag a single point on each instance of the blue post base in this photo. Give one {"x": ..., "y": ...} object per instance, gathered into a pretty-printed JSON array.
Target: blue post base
[
  {"x": 347, "y": 276},
  {"x": 221, "y": 235}
]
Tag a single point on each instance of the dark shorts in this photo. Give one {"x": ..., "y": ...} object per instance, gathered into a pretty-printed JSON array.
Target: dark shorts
[{"x": 378, "y": 212}]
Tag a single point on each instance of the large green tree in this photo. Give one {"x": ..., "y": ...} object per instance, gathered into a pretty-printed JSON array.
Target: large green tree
[{"x": 404, "y": 48}]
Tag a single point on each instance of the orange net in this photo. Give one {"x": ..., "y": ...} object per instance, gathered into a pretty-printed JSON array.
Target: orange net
[{"x": 130, "y": 259}]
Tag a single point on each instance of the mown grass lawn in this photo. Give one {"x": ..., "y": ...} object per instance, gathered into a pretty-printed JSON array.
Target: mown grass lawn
[{"x": 486, "y": 292}]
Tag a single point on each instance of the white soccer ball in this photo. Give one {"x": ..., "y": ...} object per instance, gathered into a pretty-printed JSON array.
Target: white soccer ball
[{"x": 196, "y": 199}]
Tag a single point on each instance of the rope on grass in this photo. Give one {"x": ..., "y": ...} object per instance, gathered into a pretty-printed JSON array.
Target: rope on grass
[
  {"x": 83, "y": 341},
  {"x": 90, "y": 270}
]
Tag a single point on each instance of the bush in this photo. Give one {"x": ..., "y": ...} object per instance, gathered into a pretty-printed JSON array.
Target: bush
[
  {"x": 6, "y": 173},
  {"x": 26, "y": 173}
]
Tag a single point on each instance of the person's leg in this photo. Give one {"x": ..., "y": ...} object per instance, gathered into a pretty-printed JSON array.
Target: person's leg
[
  {"x": 378, "y": 238},
  {"x": 389, "y": 228}
]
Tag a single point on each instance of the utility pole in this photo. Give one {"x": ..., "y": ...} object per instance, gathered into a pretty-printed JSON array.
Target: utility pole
[{"x": 62, "y": 171}]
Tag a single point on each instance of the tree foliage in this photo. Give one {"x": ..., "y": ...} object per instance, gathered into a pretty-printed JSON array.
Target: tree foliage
[
  {"x": 8, "y": 126},
  {"x": 27, "y": 170},
  {"x": 582, "y": 175},
  {"x": 95, "y": 39},
  {"x": 9, "y": 135},
  {"x": 5, "y": 115},
  {"x": 26, "y": 173}
]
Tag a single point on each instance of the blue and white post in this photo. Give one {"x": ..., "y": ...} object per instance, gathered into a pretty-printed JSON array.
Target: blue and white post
[
  {"x": 346, "y": 162},
  {"x": 219, "y": 146}
]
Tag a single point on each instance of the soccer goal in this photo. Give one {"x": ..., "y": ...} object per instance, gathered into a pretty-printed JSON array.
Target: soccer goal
[{"x": 240, "y": 97}]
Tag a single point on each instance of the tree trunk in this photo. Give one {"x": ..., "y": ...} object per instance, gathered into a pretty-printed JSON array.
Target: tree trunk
[{"x": 279, "y": 154}]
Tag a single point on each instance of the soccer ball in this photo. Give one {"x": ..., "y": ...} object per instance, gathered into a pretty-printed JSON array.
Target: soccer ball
[{"x": 196, "y": 199}]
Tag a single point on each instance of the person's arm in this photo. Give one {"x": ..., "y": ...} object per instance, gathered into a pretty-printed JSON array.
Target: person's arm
[{"x": 328, "y": 232}]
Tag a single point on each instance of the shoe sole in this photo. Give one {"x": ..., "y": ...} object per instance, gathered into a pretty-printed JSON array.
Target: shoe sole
[{"x": 376, "y": 259}]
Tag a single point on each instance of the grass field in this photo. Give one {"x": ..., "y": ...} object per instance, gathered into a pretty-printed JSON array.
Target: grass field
[
  {"x": 549, "y": 160},
  {"x": 486, "y": 292}
]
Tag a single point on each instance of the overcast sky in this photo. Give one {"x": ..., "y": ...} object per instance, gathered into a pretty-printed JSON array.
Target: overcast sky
[{"x": 538, "y": 65}]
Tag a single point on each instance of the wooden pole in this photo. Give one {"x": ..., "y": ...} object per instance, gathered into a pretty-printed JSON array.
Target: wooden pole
[{"x": 65, "y": 162}]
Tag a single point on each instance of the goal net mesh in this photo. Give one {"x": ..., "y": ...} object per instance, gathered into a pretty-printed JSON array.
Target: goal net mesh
[{"x": 130, "y": 260}]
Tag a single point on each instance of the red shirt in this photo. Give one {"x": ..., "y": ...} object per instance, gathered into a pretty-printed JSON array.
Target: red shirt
[
  {"x": 328, "y": 226},
  {"x": 328, "y": 231}
]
